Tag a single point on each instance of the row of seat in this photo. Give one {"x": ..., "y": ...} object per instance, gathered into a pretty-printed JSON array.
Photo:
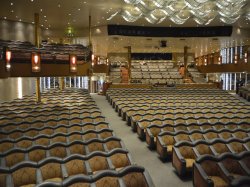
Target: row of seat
[
  {"x": 226, "y": 170},
  {"x": 40, "y": 156},
  {"x": 50, "y": 149},
  {"x": 186, "y": 153},
  {"x": 152, "y": 131},
  {"x": 214, "y": 123},
  {"x": 56, "y": 170},
  {"x": 65, "y": 125},
  {"x": 157, "y": 81},
  {"x": 75, "y": 119},
  {"x": 130, "y": 176},
  {"x": 165, "y": 141},
  {"x": 141, "y": 126},
  {"x": 47, "y": 139}
]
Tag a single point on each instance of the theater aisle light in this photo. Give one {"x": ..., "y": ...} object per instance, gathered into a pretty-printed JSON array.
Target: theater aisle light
[
  {"x": 73, "y": 63},
  {"x": 36, "y": 62},
  {"x": 7, "y": 59}
]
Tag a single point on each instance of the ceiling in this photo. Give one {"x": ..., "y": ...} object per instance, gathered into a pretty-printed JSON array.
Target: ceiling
[{"x": 59, "y": 14}]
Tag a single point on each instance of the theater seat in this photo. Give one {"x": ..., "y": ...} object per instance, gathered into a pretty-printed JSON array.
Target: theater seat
[
  {"x": 95, "y": 146},
  {"x": 51, "y": 172},
  {"x": 107, "y": 182},
  {"x": 135, "y": 179},
  {"x": 24, "y": 177},
  {"x": 212, "y": 175},
  {"x": 233, "y": 167},
  {"x": 37, "y": 155},
  {"x": 14, "y": 158},
  {"x": 98, "y": 163},
  {"x": 120, "y": 160},
  {"x": 77, "y": 149},
  {"x": 75, "y": 167}
]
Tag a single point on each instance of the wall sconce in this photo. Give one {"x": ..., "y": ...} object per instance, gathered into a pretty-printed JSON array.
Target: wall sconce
[
  {"x": 245, "y": 57},
  {"x": 73, "y": 63},
  {"x": 205, "y": 60},
  {"x": 92, "y": 60},
  {"x": 219, "y": 60},
  {"x": 107, "y": 61},
  {"x": 36, "y": 62},
  {"x": 7, "y": 58},
  {"x": 235, "y": 59},
  {"x": 98, "y": 60}
]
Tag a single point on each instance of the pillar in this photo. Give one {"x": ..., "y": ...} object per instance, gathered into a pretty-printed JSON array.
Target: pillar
[
  {"x": 129, "y": 63},
  {"x": 90, "y": 34},
  {"x": 185, "y": 61},
  {"x": 37, "y": 44},
  {"x": 62, "y": 83}
]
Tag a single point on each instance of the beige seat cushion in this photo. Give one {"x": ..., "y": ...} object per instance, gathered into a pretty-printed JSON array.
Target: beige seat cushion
[
  {"x": 189, "y": 163},
  {"x": 169, "y": 148},
  {"x": 54, "y": 180},
  {"x": 28, "y": 185},
  {"x": 218, "y": 181}
]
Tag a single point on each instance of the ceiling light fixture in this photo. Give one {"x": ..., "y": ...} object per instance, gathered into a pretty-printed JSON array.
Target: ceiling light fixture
[{"x": 202, "y": 12}]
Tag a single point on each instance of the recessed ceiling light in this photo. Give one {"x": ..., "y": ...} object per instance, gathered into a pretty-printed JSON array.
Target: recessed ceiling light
[
  {"x": 12, "y": 11},
  {"x": 4, "y": 17},
  {"x": 11, "y": 4},
  {"x": 69, "y": 14},
  {"x": 44, "y": 16},
  {"x": 31, "y": 0},
  {"x": 41, "y": 10},
  {"x": 59, "y": 6}
]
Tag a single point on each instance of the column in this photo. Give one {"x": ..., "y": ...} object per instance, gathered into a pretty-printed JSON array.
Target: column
[
  {"x": 129, "y": 63},
  {"x": 185, "y": 61},
  {"x": 37, "y": 44}
]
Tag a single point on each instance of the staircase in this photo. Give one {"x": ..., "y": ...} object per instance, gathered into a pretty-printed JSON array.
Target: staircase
[{"x": 196, "y": 75}]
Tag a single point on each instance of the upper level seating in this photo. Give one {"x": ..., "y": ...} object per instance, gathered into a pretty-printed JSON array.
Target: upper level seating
[
  {"x": 152, "y": 72},
  {"x": 50, "y": 53},
  {"x": 226, "y": 170},
  {"x": 182, "y": 122},
  {"x": 60, "y": 138}
]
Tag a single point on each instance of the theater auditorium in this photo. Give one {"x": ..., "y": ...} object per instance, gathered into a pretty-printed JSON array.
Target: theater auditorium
[{"x": 125, "y": 93}]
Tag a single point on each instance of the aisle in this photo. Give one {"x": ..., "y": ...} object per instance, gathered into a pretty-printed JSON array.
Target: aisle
[{"x": 162, "y": 174}]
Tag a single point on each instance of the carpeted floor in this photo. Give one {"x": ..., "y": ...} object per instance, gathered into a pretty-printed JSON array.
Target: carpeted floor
[{"x": 163, "y": 174}]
